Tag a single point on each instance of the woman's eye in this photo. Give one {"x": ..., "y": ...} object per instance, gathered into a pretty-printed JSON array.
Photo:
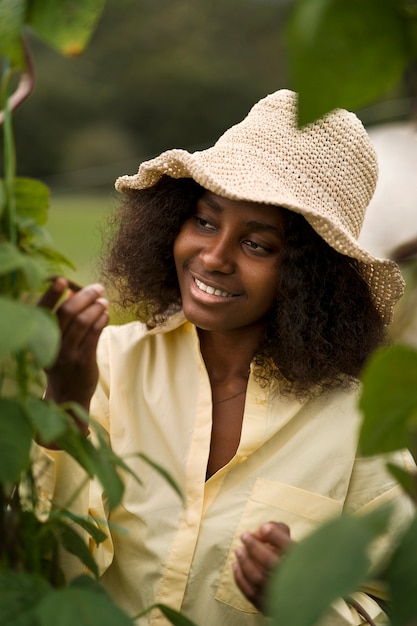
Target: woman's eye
[
  {"x": 201, "y": 221},
  {"x": 257, "y": 247}
]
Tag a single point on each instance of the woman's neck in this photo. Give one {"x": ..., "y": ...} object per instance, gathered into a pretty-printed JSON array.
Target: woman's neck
[{"x": 227, "y": 356}]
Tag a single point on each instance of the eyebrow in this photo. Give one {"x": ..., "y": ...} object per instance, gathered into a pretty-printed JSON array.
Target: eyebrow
[{"x": 254, "y": 225}]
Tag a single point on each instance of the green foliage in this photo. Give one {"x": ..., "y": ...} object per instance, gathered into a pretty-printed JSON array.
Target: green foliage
[
  {"x": 28, "y": 600},
  {"x": 312, "y": 576},
  {"x": 401, "y": 576},
  {"x": 64, "y": 24},
  {"x": 389, "y": 401},
  {"x": 33, "y": 590},
  {"x": 347, "y": 53}
]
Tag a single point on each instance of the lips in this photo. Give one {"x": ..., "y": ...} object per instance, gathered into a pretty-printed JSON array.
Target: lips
[{"x": 212, "y": 290}]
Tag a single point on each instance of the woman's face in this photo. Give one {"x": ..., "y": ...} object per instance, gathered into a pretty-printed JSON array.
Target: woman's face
[{"x": 226, "y": 257}]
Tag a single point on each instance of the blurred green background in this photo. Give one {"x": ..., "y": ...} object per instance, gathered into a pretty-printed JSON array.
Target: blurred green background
[{"x": 157, "y": 74}]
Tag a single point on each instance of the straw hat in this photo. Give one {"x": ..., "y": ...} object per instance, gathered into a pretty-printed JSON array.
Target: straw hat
[{"x": 326, "y": 171}]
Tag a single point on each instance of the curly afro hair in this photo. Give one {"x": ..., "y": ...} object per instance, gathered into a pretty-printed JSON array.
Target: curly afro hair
[{"x": 323, "y": 325}]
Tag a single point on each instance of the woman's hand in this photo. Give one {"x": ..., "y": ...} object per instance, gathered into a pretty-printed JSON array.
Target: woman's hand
[
  {"x": 257, "y": 558},
  {"x": 82, "y": 316}
]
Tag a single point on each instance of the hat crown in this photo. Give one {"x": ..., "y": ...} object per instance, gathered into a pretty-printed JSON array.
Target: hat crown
[{"x": 329, "y": 166}]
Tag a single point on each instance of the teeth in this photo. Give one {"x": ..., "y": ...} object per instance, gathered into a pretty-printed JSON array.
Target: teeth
[{"x": 212, "y": 290}]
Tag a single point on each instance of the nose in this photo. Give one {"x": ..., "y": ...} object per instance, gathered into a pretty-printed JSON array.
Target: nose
[{"x": 218, "y": 254}]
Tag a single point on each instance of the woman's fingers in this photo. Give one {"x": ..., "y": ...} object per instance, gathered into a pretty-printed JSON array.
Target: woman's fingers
[
  {"x": 52, "y": 296},
  {"x": 77, "y": 307},
  {"x": 81, "y": 322},
  {"x": 257, "y": 558},
  {"x": 82, "y": 317}
]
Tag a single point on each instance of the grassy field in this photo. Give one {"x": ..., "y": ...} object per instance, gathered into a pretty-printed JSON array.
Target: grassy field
[{"x": 75, "y": 223}]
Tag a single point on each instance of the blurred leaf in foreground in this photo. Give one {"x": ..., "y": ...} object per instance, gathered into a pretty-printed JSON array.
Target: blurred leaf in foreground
[
  {"x": 344, "y": 53},
  {"x": 327, "y": 565}
]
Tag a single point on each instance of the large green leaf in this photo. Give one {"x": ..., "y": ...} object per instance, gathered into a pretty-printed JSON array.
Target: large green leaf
[
  {"x": 32, "y": 199},
  {"x": 19, "y": 594},
  {"x": 402, "y": 579},
  {"x": 389, "y": 401},
  {"x": 15, "y": 440},
  {"x": 48, "y": 420},
  {"x": 11, "y": 259},
  {"x": 65, "y": 24},
  {"x": 17, "y": 325},
  {"x": 329, "y": 564},
  {"x": 406, "y": 479},
  {"x": 44, "y": 343},
  {"x": 26, "y": 273},
  {"x": 80, "y": 606},
  {"x": 29, "y": 327},
  {"x": 344, "y": 53},
  {"x": 12, "y": 16},
  {"x": 32, "y": 275}
]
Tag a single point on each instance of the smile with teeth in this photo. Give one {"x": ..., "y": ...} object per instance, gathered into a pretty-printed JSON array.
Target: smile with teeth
[{"x": 211, "y": 290}]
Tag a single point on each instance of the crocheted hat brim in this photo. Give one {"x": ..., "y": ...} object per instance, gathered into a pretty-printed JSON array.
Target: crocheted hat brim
[{"x": 326, "y": 171}]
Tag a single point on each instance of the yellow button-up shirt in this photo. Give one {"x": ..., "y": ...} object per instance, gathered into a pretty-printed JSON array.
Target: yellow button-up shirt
[{"x": 296, "y": 463}]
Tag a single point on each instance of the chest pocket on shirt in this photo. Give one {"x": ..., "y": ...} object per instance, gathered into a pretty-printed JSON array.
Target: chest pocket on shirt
[{"x": 301, "y": 510}]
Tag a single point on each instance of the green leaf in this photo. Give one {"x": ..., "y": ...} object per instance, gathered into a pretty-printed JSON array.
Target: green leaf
[
  {"x": 25, "y": 326},
  {"x": 402, "y": 579},
  {"x": 79, "y": 447},
  {"x": 65, "y": 24},
  {"x": 83, "y": 607},
  {"x": 15, "y": 440},
  {"x": 53, "y": 260},
  {"x": 98, "y": 461},
  {"x": 11, "y": 259},
  {"x": 48, "y": 420},
  {"x": 88, "y": 524},
  {"x": 44, "y": 343},
  {"x": 407, "y": 480},
  {"x": 12, "y": 16},
  {"x": 163, "y": 472},
  {"x": 19, "y": 595},
  {"x": 88, "y": 583},
  {"x": 389, "y": 401},
  {"x": 105, "y": 465},
  {"x": 25, "y": 268},
  {"x": 344, "y": 53},
  {"x": 31, "y": 275},
  {"x": 32, "y": 199},
  {"x": 17, "y": 325},
  {"x": 174, "y": 617},
  {"x": 311, "y": 576},
  {"x": 72, "y": 541}
]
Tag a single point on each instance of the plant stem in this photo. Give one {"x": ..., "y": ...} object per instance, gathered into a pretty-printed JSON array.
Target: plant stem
[{"x": 9, "y": 153}]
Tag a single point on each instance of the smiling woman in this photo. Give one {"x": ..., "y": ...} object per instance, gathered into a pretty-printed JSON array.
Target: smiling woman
[{"x": 257, "y": 308}]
